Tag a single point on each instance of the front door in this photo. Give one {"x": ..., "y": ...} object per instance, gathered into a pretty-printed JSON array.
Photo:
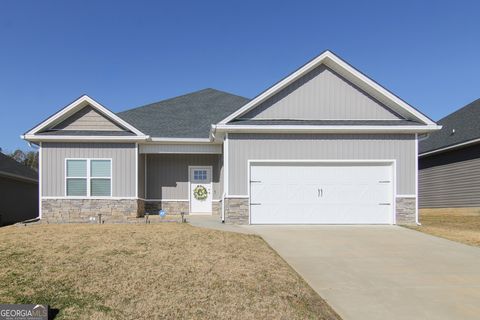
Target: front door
[{"x": 200, "y": 190}]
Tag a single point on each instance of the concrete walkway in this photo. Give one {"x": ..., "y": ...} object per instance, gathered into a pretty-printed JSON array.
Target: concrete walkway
[{"x": 378, "y": 272}]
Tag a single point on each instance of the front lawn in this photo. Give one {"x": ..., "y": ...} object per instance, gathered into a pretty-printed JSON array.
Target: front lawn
[
  {"x": 462, "y": 225},
  {"x": 156, "y": 271}
]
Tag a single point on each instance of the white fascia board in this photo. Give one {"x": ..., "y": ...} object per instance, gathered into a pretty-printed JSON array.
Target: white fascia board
[
  {"x": 77, "y": 105},
  {"x": 455, "y": 146},
  {"x": 328, "y": 129},
  {"x": 340, "y": 66},
  {"x": 179, "y": 140},
  {"x": 48, "y": 138}
]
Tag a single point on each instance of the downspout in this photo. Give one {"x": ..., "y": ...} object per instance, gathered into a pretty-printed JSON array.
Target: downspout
[{"x": 223, "y": 207}]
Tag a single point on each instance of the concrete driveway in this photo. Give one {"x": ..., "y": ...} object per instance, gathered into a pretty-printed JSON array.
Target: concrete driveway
[{"x": 382, "y": 272}]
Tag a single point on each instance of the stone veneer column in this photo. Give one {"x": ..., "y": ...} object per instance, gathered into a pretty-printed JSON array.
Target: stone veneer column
[
  {"x": 236, "y": 211},
  {"x": 406, "y": 210}
]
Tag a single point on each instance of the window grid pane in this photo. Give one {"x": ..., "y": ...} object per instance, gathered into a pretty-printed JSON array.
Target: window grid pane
[
  {"x": 76, "y": 187},
  {"x": 100, "y": 187},
  {"x": 77, "y": 168},
  {"x": 200, "y": 175},
  {"x": 100, "y": 168}
]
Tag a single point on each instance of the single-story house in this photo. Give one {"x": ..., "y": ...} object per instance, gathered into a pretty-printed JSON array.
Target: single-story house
[
  {"x": 19, "y": 190},
  {"x": 449, "y": 161},
  {"x": 325, "y": 145}
]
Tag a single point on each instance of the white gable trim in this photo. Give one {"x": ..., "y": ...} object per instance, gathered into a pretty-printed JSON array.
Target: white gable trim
[
  {"x": 344, "y": 69},
  {"x": 47, "y": 138},
  {"x": 77, "y": 105},
  {"x": 324, "y": 129}
]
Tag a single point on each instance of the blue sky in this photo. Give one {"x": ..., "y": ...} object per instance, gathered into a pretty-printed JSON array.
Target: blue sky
[{"x": 129, "y": 53}]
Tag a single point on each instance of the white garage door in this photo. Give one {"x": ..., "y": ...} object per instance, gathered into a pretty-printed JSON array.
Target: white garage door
[{"x": 321, "y": 193}]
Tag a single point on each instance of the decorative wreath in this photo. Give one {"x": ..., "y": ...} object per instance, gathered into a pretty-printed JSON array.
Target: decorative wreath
[{"x": 200, "y": 193}]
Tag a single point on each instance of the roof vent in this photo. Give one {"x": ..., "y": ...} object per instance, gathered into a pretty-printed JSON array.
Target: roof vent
[{"x": 453, "y": 132}]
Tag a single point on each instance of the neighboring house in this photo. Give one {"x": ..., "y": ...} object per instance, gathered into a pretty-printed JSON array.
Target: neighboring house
[
  {"x": 19, "y": 191},
  {"x": 325, "y": 145},
  {"x": 449, "y": 161}
]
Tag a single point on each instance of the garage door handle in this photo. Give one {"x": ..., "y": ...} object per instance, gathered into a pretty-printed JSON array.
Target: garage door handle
[
  {"x": 255, "y": 181},
  {"x": 320, "y": 193},
  {"x": 255, "y": 204},
  {"x": 384, "y": 204},
  {"x": 384, "y": 181}
]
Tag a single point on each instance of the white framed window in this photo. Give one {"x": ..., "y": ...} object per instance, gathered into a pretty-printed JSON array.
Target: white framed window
[{"x": 88, "y": 177}]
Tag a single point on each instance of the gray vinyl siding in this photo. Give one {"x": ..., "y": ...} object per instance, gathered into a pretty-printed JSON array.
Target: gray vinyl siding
[
  {"x": 450, "y": 179},
  {"x": 88, "y": 119},
  {"x": 123, "y": 165},
  {"x": 141, "y": 176},
  {"x": 242, "y": 147},
  {"x": 322, "y": 94},
  {"x": 167, "y": 174}
]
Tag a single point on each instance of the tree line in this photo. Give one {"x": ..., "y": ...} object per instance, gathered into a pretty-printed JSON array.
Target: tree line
[{"x": 27, "y": 158}]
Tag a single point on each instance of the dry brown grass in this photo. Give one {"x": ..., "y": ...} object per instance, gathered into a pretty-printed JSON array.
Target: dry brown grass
[
  {"x": 158, "y": 271},
  {"x": 457, "y": 224}
]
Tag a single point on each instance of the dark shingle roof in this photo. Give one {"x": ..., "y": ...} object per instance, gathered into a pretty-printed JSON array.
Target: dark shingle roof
[
  {"x": 465, "y": 122},
  {"x": 9, "y": 166},
  {"x": 187, "y": 116},
  {"x": 328, "y": 122}
]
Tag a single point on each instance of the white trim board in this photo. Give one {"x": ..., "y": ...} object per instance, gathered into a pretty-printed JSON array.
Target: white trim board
[
  {"x": 87, "y": 198},
  {"x": 181, "y": 148},
  {"x": 46, "y": 138},
  {"x": 344, "y": 69},
  {"x": 325, "y": 129},
  {"x": 40, "y": 181},
  {"x": 174, "y": 200}
]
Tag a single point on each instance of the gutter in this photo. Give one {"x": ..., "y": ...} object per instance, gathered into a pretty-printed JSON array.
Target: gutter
[
  {"x": 326, "y": 129},
  {"x": 40, "y": 138}
]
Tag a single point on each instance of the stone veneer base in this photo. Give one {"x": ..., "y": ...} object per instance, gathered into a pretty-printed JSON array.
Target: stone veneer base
[
  {"x": 177, "y": 207},
  {"x": 236, "y": 211},
  {"x": 406, "y": 208},
  {"x": 89, "y": 210}
]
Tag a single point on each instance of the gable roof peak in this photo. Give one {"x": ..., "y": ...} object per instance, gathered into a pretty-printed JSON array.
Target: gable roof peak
[
  {"x": 75, "y": 106},
  {"x": 344, "y": 69}
]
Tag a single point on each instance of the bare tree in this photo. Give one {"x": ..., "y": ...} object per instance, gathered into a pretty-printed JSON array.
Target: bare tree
[{"x": 29, "y": 158}]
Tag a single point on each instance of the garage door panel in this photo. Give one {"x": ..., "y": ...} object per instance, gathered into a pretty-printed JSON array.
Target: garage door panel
[{"x": 321, "y": 194}]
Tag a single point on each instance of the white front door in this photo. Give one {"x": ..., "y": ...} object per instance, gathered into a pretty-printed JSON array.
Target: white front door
[{"x": 200, "y": 190}]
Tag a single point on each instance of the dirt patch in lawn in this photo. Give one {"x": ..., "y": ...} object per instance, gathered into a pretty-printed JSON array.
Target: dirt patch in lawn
[
  {"x": 151, "y": 272},
  {"x": 457, "y": 224}
]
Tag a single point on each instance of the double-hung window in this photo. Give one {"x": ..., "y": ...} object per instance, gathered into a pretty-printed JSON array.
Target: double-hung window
[{"x": 88, "y": 178}]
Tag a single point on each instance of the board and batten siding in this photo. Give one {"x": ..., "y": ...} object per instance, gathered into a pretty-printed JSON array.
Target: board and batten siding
[
  {"x": 322, "y": 94},
  {"x": 167, "y": 175},
  {"x": 141, "y": 175},
  {"x": 53, "y": 165},
  {"x": 242, "y": 147},
  {"x": 450, "y": 179},
  {"x": 88, "y": 119}
]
